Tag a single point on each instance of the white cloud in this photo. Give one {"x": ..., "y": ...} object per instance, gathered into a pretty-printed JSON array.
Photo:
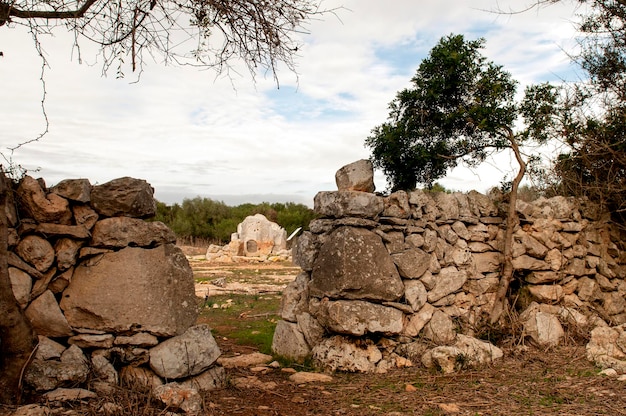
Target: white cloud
[{"x": 189, "y": 133}]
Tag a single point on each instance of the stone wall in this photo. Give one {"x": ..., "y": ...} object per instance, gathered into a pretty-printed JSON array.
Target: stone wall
[
  {"x": 110, "y": 295},
  {"x": 411, "y": 278}
]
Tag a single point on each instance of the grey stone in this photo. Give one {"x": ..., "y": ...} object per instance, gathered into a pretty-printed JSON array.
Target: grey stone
[
  {"x": 46, "y": 317},
  {"x": 412, "y": 263},
  {"x": 133, "y": 290},
  {"x": 415, "y": 294},
  {"x": 359, "y": 317},
  {"x": 449, "y": 280},
  {"x": 119, "y": 232},
  {"x": 294, "y": 299},
  {"x": 289, "y": 342},
  {"x": 354, "y": 264},
  {"x": 78, "y": 190},
  {"x": 356, "y": 176},
  {"x": 124, "y": 197},
  {"x": 341, "y": 354},
  {"x": 348, "y": 204},
  {"x": 185, "y": 355},
  {"x": 440, "y": 329}
]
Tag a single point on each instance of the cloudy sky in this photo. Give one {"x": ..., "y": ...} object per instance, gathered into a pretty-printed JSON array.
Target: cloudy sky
[{"x": 190, "y": 133}]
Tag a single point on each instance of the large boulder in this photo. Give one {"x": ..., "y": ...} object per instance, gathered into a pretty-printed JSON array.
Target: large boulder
[
  {"x": 354, "y": 264},
  {"x": 121, "y": 232},
  {"x": 126, "y": 196},
  {"x": 358, "y": 317},
  {"x": 135, "y": 290},
  {"x": 348, "y": 204},
  {"x": 357, "y": 176}
]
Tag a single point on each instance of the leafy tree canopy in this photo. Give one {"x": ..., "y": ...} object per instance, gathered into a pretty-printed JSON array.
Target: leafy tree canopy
[{"x": 460, "y": 108}]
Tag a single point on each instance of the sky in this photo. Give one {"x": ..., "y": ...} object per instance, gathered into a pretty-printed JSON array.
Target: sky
[{"x": 193, "y": 133}]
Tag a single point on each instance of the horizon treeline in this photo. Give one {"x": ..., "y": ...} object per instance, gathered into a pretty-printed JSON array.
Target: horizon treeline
[{"x": 204, "y": 219}]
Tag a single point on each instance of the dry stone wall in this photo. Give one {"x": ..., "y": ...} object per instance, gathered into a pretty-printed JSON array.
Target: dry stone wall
[
  {"x": 109, "y": 294},
  {"x": 410, "y": 278}
]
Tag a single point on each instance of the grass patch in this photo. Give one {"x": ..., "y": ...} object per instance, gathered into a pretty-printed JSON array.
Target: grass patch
[{"x": 249, "y": 320}]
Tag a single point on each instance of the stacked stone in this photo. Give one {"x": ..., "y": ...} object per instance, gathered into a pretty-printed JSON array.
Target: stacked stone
[
  {"x": 388, "y": 281},
  {"x": 110, "y": 295}
]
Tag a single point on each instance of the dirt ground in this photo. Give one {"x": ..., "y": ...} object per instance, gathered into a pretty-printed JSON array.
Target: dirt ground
[{"x": 527, "y": 381}]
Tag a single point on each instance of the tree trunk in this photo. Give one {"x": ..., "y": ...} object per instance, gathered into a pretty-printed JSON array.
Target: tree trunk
[
  {"x": 511, "y": 221},
  {"x": 17, "y": 338}
]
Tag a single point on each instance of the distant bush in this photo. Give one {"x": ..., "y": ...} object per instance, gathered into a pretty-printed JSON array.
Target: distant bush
[{"x": 209, "y": 220}]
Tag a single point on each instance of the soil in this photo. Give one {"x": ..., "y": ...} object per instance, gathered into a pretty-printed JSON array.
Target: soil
[{"x": 527, "y": 381}]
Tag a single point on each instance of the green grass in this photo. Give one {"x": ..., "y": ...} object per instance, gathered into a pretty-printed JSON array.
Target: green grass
[{"x": 249, "y": 320}]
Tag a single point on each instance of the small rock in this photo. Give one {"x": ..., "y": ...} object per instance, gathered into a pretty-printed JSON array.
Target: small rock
[{"x": 306, "y": 377}]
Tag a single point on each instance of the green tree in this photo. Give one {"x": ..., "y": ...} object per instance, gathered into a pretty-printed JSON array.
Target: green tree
[{"x": 461, "y": 108}]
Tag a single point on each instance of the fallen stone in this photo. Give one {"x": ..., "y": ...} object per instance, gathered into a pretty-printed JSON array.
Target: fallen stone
[
  {"x": 303, "y": 377},
  {"x": 244, "y": 360},
  {"x": 185, "y": 355}
]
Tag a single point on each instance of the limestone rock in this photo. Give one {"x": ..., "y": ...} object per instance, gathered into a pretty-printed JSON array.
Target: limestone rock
[
  {"x": 488, "y": 262},
  {"x": 440, "y": 329},
  {"x": 294, "y": 298},
  {"x": 607, "y": 347},
  {"x": 305, "y": 250},
  {"x": 341, "y": 354},
  {"x": 134, "y": 289},
  {"x": 348, "y": 204},
  {"x": 78, "y": 190},
  {"x": 185, "y": 355},
  {"x": 450, "y": 280},
  {"x": 467, "y": 352},
  {"x": 140, "y": 378},
  {"x": 48, "y": 349},
  {"x": 359, "y": 317},
  {"x": 397, "y": 205},
  {"x": 415, "y": 294},
  {"x": 66, "y": 252},
  {"x": 303, "y": 377},
  {"x": 42, "y": 207},
  {"x": 36, "y": 251},
  {"x": 32, "y": 410},
  {"x": 412, "y": 263},
  {"x": 104, "y": 370},
  {"x": 46, "y": 317},
  {"x": 92, "y": 340},
  {"x": 21, "y": 284},
  {"x": 546, "y": 293},
  {"x": 244, "y": 360},
  {"x": 211, "y": 379},
  {"x": 354, "y": 264},
  {"x": 84, "y": 215},
  {"x": 66, "y": 395},
  {"x": 49, "y": 374},
  {"x": 289, "y": 341},
  {"x": 418, "y": 320},
  {"x": 544, "y": 328},
  {"x": 119, "y": 232},
  {"x": 356, "y": 176},
  {"x": 176, "y": 396},
  {"x": 124, "y": 197},
  {"x": 310, "y": 327}
]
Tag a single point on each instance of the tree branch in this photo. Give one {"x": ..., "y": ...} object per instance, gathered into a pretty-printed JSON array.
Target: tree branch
[{"x": 7, "y": 11}]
